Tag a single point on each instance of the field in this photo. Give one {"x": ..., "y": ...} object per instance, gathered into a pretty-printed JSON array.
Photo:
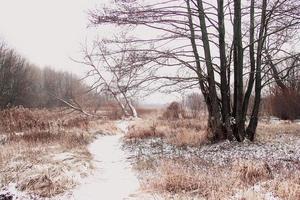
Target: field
[
  {"x": 45, "y": 153},
  {"x": 176, "y": 159}
]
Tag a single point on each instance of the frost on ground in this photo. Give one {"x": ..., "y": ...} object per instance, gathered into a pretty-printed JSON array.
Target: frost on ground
[
  {"x": 267, "y": 169},
  {"x": 254, "y": 192}
]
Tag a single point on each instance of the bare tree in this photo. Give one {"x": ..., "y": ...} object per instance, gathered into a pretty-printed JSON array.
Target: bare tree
[
  {"x": 195, "y": 104},
  {"x": 22, "y": 83},
  {"x": 221, "y": 43},
  {"x": 118, "y": 72},
  {"x": 13, "y": 77}
]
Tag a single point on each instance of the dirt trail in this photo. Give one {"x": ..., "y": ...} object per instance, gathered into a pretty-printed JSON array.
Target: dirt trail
[{"x": 113, "y": 178}]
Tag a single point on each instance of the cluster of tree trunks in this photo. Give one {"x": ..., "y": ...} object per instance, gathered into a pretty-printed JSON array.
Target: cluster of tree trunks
[{"x": 228, "y": 42}]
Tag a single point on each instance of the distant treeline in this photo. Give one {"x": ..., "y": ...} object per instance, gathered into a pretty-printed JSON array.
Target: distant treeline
[{"x": 22, "y": 83}]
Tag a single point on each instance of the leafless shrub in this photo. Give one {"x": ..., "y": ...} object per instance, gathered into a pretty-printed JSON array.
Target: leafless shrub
[
  {"x": 174, "y": 111},
  {"x": 195, "y": 105},
  {"x": 285, "y": 105}
]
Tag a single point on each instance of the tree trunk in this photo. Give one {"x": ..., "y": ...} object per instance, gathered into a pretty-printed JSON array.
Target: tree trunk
[
  {"x": 121, "y": 105},
  {"x": 215, "y": 120},
  {"x": 252, "y": 63},
  {"x": 132, "y": 109},
  {"x": 254, "y": 116},
  {"x": 223, "y": 66},
  {"x": 129, "y": 104},
  {"x": 275, "y": 73},
  {"x": 239, "y": 129}
]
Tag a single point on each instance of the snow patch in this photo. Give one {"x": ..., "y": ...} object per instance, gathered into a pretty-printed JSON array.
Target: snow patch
[
  {"x": 255, "y": 192},
  {"x": 11, "y": 192}
]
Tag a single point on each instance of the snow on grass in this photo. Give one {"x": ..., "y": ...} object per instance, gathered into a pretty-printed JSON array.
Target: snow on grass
[
  {"x": 11, "y": 192},
  {"x": 255, "y": 192},
  {"x": 276, "y": 148}
]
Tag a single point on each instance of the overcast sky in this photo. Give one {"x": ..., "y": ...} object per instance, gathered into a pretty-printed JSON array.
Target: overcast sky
[{"x": 49, "y": 32}]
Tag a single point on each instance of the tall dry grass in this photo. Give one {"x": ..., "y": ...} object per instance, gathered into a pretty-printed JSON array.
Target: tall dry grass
[
  {"x": 192, "y": 179},
  {"x": 187, "y": 174},
  {"x": 181, "y": 133},
  {"x": 21, "y": 119},
  {"x": 44, "y": 151}
]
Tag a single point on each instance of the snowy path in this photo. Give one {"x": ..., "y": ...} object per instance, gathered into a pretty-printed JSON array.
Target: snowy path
[{"x": 113, "y": 178}]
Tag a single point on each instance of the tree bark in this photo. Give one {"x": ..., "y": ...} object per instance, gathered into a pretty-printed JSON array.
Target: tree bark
[
  {"x": 275, "y": 73},
  {"x": 254, "y": 116},
  {"x": 252, "y": 63},
  {"x": 223, "y": 66},
  {"x": 239, "y": 129},
  {"x": 216, "y": 118},
  {"x": 133, "y": 110},
  {"x": 121, "y": 105}
]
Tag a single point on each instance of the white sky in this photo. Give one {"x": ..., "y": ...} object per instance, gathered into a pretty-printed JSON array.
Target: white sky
[{"x": 49, "y": 32}]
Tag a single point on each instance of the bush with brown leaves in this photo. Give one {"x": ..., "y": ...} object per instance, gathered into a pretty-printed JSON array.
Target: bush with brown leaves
[{"x": 174, "y": 111}]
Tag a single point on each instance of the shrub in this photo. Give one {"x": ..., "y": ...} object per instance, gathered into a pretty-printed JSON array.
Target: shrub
[
  {"x": 285, "y": 105},
  {"x": 174, "y": 111}
]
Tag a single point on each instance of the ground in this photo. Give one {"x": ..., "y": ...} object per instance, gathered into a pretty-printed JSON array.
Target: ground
[
  {"x": 57, "y": 156},
  {"x": 181, "y": 165}
]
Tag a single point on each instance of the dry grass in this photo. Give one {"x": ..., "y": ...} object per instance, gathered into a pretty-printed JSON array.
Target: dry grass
[
  {"x": 146, "y": 130},
  {"x": 186, "y": 137},
  {"x": 45, "y": 152},
  {"x": 185, "y": 178},
  {"x": 288, "y": 189},
  {"x": 146, "y": 112},
  {"x": 103, "y": 127},
  {"x": 193, "y": 179},
  {"x": 27, "y": 163},
  {"x": 282, "y": 188},
  {"x": 250, "y": 172},
  {"x": 178, "y": 179},
  {"x": 267, "y": 168},
  {"x": 267, "y": 130},
  {"x": 21, "y": 119},
  {"x": 180, "y": 133}
]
